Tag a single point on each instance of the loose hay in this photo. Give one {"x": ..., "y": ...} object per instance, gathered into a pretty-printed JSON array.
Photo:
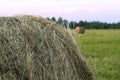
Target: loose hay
[{"x": 32, "y": 48}]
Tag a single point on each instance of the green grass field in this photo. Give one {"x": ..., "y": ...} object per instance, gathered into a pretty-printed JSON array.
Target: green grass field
[{"x": 101, "y": 50}]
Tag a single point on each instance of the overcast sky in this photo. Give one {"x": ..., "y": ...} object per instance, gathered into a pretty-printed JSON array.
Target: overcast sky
[{"x": 89, "y": 10}]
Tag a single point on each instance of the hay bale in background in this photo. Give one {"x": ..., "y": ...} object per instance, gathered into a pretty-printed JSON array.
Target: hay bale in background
[
  {"x": 32, "y": 48},
  {"x": 80, "y": 30}
]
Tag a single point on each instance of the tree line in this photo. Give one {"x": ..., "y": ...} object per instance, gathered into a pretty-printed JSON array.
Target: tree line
[{"x": 85, "y": 24}]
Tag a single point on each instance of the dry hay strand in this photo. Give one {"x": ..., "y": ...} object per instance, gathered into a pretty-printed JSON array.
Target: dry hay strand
[{"x": 32, "y": 48}]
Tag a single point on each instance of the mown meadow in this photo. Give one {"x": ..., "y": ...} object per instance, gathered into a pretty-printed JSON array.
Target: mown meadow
[{"x": 101, "y": 50}]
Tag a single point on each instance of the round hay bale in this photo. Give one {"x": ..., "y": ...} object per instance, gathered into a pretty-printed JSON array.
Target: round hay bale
[
  {"x": 32, "y": 48},
  {"x": 77, "y": 30},
  {"x": 80, "y": 30}
]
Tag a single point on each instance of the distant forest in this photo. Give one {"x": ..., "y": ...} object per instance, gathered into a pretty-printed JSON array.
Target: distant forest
[{"x": 85, "y": 24}]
